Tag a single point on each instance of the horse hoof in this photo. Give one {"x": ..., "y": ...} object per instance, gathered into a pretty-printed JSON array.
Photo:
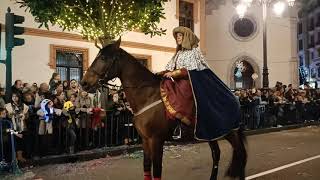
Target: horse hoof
[{"x": 147, "y": 178}]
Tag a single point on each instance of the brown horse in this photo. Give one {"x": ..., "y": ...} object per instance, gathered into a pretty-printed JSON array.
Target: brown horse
[{"x": 142, "y": 88}]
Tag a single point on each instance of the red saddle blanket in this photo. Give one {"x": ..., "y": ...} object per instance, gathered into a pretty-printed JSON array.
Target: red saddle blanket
[{"x": 178, "y": 98}]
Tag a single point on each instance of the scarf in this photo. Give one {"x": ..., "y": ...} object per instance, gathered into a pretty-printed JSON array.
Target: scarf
[{"x": 190, "y": 40}]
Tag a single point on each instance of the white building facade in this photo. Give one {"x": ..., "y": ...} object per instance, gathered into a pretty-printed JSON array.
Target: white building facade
[
  {"x": 46, "y": 51},
  {"x": 233, "y": 41}
]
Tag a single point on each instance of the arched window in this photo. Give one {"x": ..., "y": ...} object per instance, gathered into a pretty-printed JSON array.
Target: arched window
[{"x": 243, "y": 75}]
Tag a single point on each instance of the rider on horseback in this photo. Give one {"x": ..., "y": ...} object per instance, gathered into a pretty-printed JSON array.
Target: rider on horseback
[
  {"x": 193, "y": 94},
  {"x": 187, "y": 57}
]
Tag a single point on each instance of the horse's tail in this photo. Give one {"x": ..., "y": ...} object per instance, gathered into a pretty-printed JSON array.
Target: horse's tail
[{"x": 239, "y": 158}]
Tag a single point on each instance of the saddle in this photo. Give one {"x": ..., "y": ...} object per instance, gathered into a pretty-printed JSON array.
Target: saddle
[{"x": 178, "y": 98}]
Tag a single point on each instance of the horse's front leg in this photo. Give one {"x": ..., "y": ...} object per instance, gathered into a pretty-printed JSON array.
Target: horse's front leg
[
  {"x": 146, "y": 160},
  {"x": 215, "y": 150},
  {"x": 157, "y": 153}
]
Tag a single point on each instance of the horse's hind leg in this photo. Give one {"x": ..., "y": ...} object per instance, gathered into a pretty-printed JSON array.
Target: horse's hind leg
[
  {"x": 215, "y": 150},
  {"x": 239, "y": 158},
  {"x": 146, "y": 160},
  {"x": 157, "y": 153}
]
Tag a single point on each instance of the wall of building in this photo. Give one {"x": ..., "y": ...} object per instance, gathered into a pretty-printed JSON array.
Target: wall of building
[
  {"x": 225, "y": 50},
  {"x": 309, "y": 53},
  {"x": 30, "y": 62}
]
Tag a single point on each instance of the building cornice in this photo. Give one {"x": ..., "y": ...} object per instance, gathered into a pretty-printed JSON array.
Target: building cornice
[{"x": 77, "y": 37}]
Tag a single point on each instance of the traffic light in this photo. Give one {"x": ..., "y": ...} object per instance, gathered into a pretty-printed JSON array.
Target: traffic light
[
  {"x": 12, "y": 30},
  {"x": 11, "y": 42}
]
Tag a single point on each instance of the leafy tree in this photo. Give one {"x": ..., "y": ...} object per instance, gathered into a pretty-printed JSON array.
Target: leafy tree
[{"x": 99, "y": 20}]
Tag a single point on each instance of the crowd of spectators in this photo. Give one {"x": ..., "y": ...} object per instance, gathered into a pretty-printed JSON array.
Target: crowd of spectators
[
  {"x": 54, "y": 117},
  {"x": 283, "y": 104},
  {"x": 60, "y": 117}
]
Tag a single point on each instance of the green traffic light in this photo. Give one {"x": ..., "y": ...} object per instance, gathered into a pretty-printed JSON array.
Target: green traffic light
[
  {"x": 18, "y": 19},
  {"x": 12, "y": 30},
  {"x": 18, "y": 30},
  {"x": 18, "y": 42},
  {"x": 12, "y": 41}
]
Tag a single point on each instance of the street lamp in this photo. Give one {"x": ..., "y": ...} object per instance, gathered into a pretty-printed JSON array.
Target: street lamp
[
  {"x": 241, "y": 10},
  {"x": 279, "y": 7},
  {"x": 247, "y": 2},
  {"x": 291, "y": 2}
]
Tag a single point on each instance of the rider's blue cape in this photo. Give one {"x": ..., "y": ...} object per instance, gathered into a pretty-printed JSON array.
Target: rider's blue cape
[{"x": 218, "y": 110}]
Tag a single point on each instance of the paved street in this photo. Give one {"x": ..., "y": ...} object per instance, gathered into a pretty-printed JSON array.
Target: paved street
[{"x": 193, "y": 162}]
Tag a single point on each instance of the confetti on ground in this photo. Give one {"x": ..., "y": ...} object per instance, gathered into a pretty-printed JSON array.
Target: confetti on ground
[
  {"x": 59, "y": 170},
  {"x": 79, "y": 167},
  {"x": 134, "y": 155},
  {"x": 24, "y": 176}
]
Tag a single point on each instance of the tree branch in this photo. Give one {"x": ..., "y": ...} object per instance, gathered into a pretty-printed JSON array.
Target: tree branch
[{"x": 96, "y": 44}]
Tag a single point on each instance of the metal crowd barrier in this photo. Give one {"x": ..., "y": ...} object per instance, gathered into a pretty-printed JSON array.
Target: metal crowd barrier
[
  {"x": 114, "y": 130},
  {"x": 118, "y": 129},
  {"x": 8, "y": 161},
  {"x": 255, "y": 115}
]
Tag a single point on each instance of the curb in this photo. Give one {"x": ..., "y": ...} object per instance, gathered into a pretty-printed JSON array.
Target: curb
[
  {"x": 86, "y": 155},
  {"x": 116, "y": 151},
  {"x": 278, "y": 129}
]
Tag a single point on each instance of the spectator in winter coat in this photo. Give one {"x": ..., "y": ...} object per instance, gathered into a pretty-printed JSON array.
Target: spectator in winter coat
[
  {"x": 74, "y": 88},
  {"x": 6, "y": 141},
  {"x": 18, "y": 113},
  {"x": 43, "y": 93},
  {"x": 59, "y": 89},
  {"x": 2, "y": 94},
  {"x": 54, "y": 82},
  {"x": 46, "y": 116},
  {"x": 16, "y": 88},
  {"x": 84, "y": 106}
]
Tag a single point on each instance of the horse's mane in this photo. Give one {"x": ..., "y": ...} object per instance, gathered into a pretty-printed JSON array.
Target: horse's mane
[{"x": 139, "y": 67}]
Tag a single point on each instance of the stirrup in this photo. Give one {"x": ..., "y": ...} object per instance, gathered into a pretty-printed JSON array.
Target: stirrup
[{"x": 178, "y": 128}]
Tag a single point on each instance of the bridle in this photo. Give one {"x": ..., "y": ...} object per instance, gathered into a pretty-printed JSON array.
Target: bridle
[
  {"x": 104, "y": 76},
  {"x": 103, "y": 82},
  {"x": 105, "y": 73}
]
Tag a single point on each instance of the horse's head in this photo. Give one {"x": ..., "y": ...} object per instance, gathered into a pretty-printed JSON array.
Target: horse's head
[{"x": 103, "y": 67}]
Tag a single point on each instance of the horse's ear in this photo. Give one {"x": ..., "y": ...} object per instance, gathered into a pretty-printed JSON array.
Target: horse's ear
[{"x": 117, "y": 43}]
